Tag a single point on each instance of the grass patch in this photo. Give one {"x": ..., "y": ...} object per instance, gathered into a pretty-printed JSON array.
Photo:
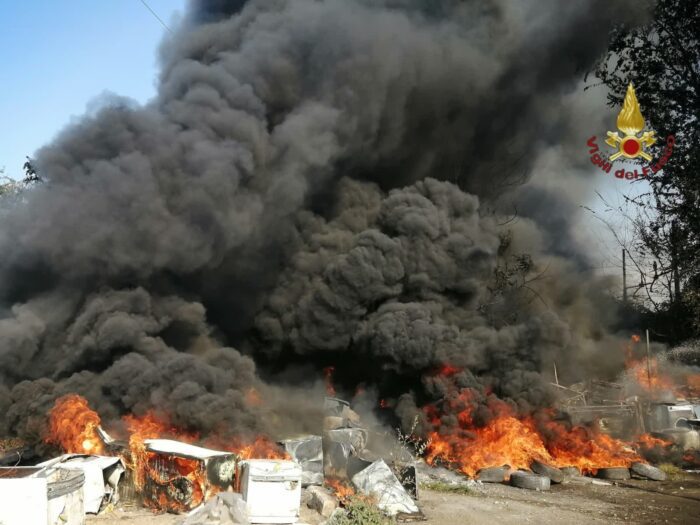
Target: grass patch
[
  {"x": 439, "y": 486},
  {"x": 672, "y": 471},
  {"x": 361, "y": 511}
]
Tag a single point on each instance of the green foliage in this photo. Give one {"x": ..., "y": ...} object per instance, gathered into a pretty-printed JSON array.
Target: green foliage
[
  {"x": 30, "y": 174},
  {"x": 361, "y": 511},
  {"x": 662, "y": 60},
  {"x": 438, "y": 486},
  {"x": 672, "y": 471},
  {"x": 11, "y": 189}
]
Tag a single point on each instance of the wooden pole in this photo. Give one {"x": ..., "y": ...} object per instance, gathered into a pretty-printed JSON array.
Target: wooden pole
[
  {"x": 648, "y": 362},
  {"x": 624, "y": 277},
  {"x": 674, "y": 263}
]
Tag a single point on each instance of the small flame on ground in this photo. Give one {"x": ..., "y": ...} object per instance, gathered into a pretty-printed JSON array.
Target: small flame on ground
[
  {"x": 648, "y": 442},
  {"x": 259, "y": 447},
  {"x": 328, "y": 376},
  {"x": 692, "y": 457},
  {"x": 342, "y": 490}
]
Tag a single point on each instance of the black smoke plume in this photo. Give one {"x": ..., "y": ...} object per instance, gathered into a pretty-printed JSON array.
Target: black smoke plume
[{"x": 305, "y": 189}]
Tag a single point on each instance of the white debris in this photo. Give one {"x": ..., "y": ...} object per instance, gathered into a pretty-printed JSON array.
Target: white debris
[
  {"x": 102, "y": 476},
  {"x": 271, "y": 489},
  {"x": 23, "y": 496},
  {"x": 226, "y": 508},
  {"x": 379, "y": 481},
  {"x": 185, "y": 450}
]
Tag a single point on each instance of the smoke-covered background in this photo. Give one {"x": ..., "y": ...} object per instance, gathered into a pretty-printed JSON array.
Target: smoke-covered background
[{"x": 368, "y": 184}]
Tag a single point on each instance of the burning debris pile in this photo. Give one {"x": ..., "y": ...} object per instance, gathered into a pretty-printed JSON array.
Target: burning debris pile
[
  {"x": 516, "y": 441},
  {"x": 317, "y": 184},
  {"x": 176, "y": 475},
  {"x": 171, "y": 475}
]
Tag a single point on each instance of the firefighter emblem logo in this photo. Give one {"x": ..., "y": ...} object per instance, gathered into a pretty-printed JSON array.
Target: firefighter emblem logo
[{"x": 630, "y": 122}]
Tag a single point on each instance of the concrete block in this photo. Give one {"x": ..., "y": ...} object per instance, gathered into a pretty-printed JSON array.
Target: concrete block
[{"x": 322, "y": 501}]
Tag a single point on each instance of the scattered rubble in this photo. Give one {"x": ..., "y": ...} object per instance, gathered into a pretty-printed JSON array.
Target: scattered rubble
[
  {"x": 322, "y": 501},
  {"x": 12, "y": 451},
  {"x": 428, "y": 473},
  {"x": 308, "y": 452},
  {"x": 354, "y": 458},
  {"x": 101, "y": 477},
  {"x": 379, "y": 481},
  {"x": 227, "y": 508}
]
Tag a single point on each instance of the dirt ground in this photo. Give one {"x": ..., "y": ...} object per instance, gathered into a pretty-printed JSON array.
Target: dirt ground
[{"x": 634, "y": 501}]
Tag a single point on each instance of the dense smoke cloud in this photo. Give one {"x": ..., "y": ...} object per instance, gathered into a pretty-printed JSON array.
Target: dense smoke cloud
[
  {"x": 247, "y": 206},
  {"x": 420, "y": 278}
]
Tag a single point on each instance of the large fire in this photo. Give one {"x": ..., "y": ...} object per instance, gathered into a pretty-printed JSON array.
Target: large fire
[
  {"x": 167, "y": 483},
  {"x": 506, "y": 438},
  {"x": 161, "y": 471},
  {"x": 73, "y": 426},
  {"x": 647, "y": 372}
]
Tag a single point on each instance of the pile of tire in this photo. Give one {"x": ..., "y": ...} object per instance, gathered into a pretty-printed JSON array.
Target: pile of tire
[
  {"x": 647, "y": 471},
  {"x": 65, "y": 482},
  {"x": 553, "y": 473},
  {"x": 528, "y": 480}
]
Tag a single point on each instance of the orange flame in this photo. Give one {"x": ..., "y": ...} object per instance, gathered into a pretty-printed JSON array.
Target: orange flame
[
  {"x": 141, "y": 428},
  {"x": 167, "y": 483},
  {"x": 692, "y": 457},
  {"x": 648, "y": 442},
  {"x": 328, "y": 375},
  {"x": 448, "y": 370},
  {"x": 691, "y": 389},
  {"x": 514, "y": 440},
  {"x": 342, "y": 490},
  {"x": 259, "y": 447},
  {"x": 73, "y": 426},
  {"x": 253, "y": 398},
  {"x": 647, "y": 374}
]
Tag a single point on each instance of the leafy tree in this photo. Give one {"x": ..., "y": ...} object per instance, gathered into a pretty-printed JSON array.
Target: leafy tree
[
  {"x": 30, "y": 174},
  {"x": 11, "y": 189},
  {"x": 662, "y": 60}
]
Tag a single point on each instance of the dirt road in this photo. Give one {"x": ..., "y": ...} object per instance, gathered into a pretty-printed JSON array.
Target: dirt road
[{"x": 637, "y": 502}]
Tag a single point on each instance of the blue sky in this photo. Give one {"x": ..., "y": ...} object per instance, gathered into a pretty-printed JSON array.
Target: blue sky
[{"x": 58, "y": 55}]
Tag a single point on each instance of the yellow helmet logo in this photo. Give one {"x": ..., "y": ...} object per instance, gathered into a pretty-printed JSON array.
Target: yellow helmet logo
[{"x": 630, "y": 121}]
